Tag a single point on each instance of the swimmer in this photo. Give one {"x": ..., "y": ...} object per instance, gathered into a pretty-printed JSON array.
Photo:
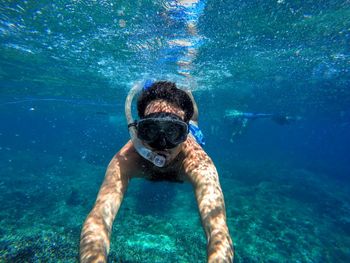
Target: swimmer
[
  {"x": 239, "y": 120},
  {"x": 280, "y": 119},
  {"x": 162, "y": 148}
]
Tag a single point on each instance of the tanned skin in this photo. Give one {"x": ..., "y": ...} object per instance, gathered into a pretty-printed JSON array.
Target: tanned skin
[{"x": 189, "y": 162}]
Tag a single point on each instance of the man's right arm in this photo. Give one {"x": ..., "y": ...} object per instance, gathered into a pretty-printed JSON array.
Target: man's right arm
[{"x": 95, "y": 235}]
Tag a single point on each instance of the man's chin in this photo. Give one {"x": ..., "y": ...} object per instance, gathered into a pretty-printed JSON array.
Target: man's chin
[
  {"x": 168, "y": 154},
  {"x": 165, "y": 153}
]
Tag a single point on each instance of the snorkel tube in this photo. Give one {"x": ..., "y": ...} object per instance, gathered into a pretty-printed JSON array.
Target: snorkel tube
[{"x": 156, "y": 159}]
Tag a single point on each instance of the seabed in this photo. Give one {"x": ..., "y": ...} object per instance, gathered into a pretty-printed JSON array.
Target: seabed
[{"x": 275, "y": 213}]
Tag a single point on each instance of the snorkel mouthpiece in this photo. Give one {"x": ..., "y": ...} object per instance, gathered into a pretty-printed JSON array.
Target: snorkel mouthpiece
[
  {"x": 156, "y": 159},
  {"x": 159, "y": 160}
]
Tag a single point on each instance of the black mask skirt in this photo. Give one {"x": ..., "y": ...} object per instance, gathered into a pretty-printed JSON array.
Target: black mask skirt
[{"x": 162, "y": 130}]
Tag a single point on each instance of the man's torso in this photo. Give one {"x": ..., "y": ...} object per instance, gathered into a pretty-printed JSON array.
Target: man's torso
[{"x": 141, "y": 168}]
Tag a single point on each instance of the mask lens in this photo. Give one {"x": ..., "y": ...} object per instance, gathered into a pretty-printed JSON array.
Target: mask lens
[
  {"x": 175, "y": 132},
  {"x": 148, "y": 130},
  {"x": 165, "y": 130}
]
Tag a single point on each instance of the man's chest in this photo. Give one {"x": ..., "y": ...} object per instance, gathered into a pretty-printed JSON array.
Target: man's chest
[{"x": 170, "y": 174}]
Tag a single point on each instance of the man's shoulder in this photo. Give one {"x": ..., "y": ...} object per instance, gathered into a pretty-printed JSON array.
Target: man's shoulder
[
  {"x": 195, "y": 156},
  {"x": 191, "y": 147},
  {"x": 126, "y": 159}
]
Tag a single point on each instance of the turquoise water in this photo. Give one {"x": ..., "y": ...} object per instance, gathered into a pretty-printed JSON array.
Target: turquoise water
[{"x": 65, "y": 70}]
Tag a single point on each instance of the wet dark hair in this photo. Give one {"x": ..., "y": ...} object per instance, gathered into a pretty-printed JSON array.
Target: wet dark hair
[{"x": 167, "y": 91}]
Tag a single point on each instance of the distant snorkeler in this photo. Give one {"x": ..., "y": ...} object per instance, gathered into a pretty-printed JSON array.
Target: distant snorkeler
[
  {"x": 164, "y": 146},
  {"x": 240, "y": 119}
]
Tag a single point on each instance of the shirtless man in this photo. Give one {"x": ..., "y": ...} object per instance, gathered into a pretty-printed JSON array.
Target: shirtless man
[{"x": 162, "y": 132}]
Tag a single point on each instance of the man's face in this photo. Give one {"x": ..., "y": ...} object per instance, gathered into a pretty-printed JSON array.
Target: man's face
[{"x": 164, "y": 106}]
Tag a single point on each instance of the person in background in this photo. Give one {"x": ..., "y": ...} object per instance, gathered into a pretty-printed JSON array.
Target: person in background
[
  {"x": 163, "y": 147},
  {"x": 238, "y": 120}
]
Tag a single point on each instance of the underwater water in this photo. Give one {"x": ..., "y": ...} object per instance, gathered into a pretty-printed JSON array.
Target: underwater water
[{"x": 65, "y": 70}]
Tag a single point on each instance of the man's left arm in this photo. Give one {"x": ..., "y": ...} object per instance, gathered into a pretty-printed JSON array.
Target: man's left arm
[{"x": 204, "y": 177}]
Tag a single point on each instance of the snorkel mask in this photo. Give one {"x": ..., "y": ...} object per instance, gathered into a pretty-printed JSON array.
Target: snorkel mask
[
  {"x": 159, "y": 130},
  {"x": 162, "y": 130}
]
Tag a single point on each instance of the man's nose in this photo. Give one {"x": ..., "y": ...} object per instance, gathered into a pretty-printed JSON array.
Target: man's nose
[{"x": 162, "y": 142}]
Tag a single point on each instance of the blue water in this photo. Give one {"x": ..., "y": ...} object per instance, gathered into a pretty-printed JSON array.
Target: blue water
[{"x": 65, "y": 70}]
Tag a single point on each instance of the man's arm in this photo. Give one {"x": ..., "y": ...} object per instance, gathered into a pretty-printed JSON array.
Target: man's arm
[
  {"x": 95, "y": 235},
  {"x": 204, "y": 177}
]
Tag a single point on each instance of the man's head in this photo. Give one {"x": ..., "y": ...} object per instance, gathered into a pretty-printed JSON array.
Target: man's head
[
  {"x": 165, "y": 112},
  {"x": 167, "y": 92}
]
